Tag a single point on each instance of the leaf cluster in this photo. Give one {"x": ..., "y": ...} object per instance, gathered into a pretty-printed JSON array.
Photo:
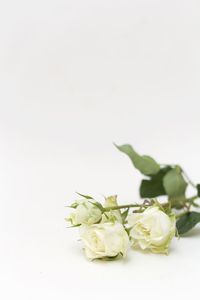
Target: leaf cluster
[{"x": 164, "y": 180}]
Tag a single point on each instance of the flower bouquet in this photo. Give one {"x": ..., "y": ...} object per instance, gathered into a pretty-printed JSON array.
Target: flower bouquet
[{"x": 108, "y": 229}]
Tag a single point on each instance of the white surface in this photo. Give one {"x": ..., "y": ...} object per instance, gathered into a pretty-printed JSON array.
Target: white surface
[{"x": 76, "y": 76}]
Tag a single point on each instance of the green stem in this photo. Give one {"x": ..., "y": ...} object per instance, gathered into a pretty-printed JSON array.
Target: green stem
[
  {"x": 130, "y": 205},
  {"x": 188, "y": 200},
  {"x": 122, "y": 206},
  {"x": 191, "y": 199},
  {"x": 182, "y": 214}
]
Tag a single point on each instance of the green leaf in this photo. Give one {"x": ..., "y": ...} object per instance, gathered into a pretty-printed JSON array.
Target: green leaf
[
  {"x": 178, "y": 202},
  {"x": 153, "y": 187},
  {"x": 175, "y": 187},
  {"x": 124, "y": 215},
  {"x": 145, "y": 164},
  {"x": 78, "y": 225},
  {"x": 198, "y": 189},
  {"x": 187, "y": 222},
  {"x": 73, "y": 205},
  {"x": 97, "y": 204},
  {"x": 84, "y": 196},
  {"x": 174, "y": 183}
]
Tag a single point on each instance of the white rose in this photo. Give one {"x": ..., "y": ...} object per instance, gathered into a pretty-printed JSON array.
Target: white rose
[
  {"x": 112, "y": 215},
  {"x": 104, "y": 240},
  {"x": 153, "y": 229},
  {"x": 85, "y": 212}
]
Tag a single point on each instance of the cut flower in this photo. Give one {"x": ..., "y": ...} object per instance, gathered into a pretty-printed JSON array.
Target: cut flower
[
  {"x": 152, "y": 229},
  {"x": 104, "y": 240}
]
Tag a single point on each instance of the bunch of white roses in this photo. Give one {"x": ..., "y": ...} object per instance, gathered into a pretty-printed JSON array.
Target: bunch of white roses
[{"x": 107, "y": 230}]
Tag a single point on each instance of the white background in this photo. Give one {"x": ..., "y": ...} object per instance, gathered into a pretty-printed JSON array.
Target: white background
[{"x": 76, "y": 76}]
